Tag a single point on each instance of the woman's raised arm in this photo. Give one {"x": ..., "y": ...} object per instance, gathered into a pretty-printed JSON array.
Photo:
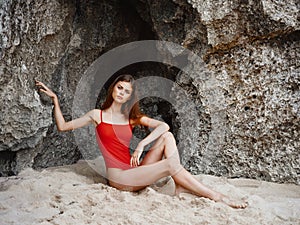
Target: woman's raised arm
[
  {"x": 159, "y": 129},
  {"x": 61, "y": 124}
]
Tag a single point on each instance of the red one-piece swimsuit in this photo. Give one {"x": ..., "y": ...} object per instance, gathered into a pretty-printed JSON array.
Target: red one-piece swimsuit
[{"x": 113, "y": 141}]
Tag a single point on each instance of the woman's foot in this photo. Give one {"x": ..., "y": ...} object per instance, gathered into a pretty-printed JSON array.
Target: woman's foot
[{"x": 237, "y": 204}]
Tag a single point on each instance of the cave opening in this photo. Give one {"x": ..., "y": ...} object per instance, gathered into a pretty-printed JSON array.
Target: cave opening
[
  {"x": 7, "y": 163},
  {"x": 131, "y": 10}
]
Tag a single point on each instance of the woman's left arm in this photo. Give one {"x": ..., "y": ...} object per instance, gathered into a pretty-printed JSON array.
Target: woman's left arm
[{"x": 159, "y": 128}]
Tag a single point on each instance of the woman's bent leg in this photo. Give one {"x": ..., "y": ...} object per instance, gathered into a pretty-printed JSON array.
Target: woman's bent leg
[
  {"x": 155, "y": 153},
  {"x": 183, "y": 180},
  {"x": 164, "y": 146}
]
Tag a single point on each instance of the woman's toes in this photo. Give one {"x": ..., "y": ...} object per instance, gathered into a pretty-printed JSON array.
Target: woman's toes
[{"x": 237, "y": 204}]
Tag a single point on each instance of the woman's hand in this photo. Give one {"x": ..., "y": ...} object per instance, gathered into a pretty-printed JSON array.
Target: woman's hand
[
  {"x": 45, "y": 89},
  {"x": 135, "y": 158}
]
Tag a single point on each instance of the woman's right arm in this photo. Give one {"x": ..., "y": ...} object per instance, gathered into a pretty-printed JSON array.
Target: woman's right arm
[{"x": 62, "y": 125}]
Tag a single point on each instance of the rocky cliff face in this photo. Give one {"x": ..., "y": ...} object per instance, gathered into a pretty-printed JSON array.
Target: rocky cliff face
[{"x": 249, "y": 115}]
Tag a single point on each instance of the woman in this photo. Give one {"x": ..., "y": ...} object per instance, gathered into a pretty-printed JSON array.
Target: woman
[{"x": 114, "y": 122}]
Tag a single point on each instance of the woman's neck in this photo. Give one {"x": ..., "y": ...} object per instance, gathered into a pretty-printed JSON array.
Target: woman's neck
[
  {"x": 116, "y": 116},
  {"x": 115, "y": 107}
]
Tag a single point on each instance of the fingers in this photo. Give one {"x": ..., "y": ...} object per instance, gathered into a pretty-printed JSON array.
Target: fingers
[
  {"x": 134, "y": 161},
  {"x": 38, "y": 83},
  {"x": 42, "y": 90}
]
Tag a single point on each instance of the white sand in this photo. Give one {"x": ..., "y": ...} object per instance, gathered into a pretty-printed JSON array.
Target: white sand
[{"x": 77, "y": 195}]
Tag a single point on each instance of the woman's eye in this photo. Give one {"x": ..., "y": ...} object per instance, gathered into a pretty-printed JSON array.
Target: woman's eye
[{"x": 120, "y": 87}]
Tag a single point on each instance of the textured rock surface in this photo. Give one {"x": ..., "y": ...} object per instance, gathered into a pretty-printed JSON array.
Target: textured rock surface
[
  {"x": 248, "y": 102},
  {"x": 252, "y": 93}
]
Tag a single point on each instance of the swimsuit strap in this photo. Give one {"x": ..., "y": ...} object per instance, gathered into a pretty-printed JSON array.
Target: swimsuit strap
[{"x": 130, "y": 125}]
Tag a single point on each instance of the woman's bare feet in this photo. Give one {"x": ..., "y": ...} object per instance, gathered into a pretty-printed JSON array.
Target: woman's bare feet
[{"x": 237, "y": 204}]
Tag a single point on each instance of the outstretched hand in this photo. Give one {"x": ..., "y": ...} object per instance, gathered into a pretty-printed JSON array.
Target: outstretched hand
[{"x": 43, "y": 88}]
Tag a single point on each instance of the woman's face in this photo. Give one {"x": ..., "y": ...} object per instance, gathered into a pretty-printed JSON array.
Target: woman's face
[{"x": 122, "y": 92}]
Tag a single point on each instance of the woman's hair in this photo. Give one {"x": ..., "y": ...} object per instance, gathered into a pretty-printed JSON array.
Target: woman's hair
[{"x": 130, "y": 108}]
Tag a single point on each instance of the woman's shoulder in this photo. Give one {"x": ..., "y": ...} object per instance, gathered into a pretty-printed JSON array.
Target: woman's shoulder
[
  {"x": 95, "y": 114},
  {"x": 97, "y": 110},
  {"x": 144, "y": 119},
  {"x": 138, "y": 121}
]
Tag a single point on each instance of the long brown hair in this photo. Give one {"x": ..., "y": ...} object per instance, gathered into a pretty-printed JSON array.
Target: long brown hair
[{"x": 131, "y": 108}]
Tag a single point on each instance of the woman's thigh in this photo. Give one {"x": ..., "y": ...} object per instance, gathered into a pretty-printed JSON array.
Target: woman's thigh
[{"x": 141, "y": 176}]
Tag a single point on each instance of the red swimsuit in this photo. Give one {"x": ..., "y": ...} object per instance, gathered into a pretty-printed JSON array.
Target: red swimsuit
[{"x": 114, "y": 141}]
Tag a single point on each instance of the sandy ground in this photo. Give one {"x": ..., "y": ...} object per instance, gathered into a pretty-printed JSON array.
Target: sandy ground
[{"x": 76, "y": 194}]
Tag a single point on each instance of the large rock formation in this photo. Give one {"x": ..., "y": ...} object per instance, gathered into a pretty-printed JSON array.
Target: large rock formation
[{"x": 248, "y": 103}]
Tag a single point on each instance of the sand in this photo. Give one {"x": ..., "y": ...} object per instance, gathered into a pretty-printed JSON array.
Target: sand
[{"x": 76, "y": 194}]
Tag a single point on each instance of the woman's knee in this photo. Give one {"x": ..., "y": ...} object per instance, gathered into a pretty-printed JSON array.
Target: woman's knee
[
  {"x": 174, "y": 165},
  {"x": 168, "y": 136}
]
